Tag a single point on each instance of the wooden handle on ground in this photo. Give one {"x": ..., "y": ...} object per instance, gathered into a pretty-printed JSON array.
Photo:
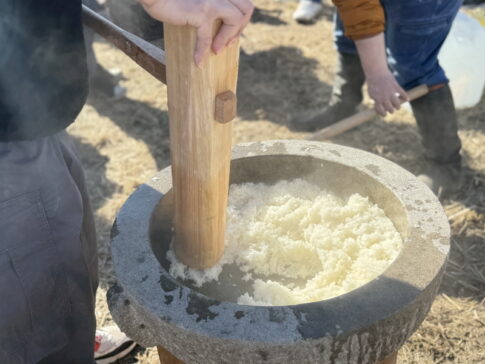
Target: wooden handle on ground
[
  {"x": 360, "y": 118},
  {"x": 200, "y": 146}
]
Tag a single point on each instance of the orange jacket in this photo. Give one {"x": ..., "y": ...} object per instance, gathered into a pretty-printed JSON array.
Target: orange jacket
[{"x": 361, "y": 18}]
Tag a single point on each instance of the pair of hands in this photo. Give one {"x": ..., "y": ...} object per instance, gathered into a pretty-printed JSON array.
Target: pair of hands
[
  {"x": 201, "y": 14},
  {"x": 381, "y": 84}
]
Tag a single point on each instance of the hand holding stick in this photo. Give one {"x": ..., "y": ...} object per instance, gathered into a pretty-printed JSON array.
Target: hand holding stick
[{"x": 360, "y": 118}]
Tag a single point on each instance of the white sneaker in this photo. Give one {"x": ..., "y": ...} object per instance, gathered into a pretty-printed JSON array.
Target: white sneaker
[
  {"x": 307, "y": 11},
  {"x": 111, "y": 344}
]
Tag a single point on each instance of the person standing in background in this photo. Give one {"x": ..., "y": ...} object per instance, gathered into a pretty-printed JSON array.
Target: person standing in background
[
  {"x": 393, "y": 45},
  {"x": 101, "y": 81}
]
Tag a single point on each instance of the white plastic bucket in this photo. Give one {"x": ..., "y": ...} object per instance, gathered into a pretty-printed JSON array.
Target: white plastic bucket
[{"x": 463, "y": 58}]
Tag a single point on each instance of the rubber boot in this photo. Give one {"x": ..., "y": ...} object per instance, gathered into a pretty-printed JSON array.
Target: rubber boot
[
  {"x": 346, "y": 96},
  {"x": 436, "y": 118}
]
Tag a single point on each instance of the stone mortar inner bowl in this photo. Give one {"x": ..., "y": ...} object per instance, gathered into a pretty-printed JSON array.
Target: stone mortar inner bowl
[{"x": 205, "y": 325}]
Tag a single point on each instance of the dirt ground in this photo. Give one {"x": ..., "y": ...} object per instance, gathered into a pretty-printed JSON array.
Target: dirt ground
[{"x": 286, "y": 72}]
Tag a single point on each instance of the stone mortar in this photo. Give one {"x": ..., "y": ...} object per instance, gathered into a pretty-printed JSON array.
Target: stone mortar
[{"x": 362, "y": 326}]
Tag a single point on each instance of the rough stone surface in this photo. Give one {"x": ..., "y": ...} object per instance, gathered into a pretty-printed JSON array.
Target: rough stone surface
[{"x": 362, "y": 326}]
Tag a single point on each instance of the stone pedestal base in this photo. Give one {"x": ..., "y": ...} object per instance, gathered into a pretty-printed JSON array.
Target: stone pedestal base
[{"x": 167, "y": 358}]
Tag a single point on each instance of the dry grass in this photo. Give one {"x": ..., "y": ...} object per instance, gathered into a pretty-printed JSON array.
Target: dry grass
[
  {"x": 454, "y": 332},
  {"x": 286, "y": 71}
]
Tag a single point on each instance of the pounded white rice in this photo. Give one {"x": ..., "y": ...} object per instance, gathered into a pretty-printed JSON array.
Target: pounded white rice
[{"x": 302, "y": 243}]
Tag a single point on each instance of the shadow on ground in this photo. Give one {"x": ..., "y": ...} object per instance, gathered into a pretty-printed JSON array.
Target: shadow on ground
[
  {"x": 131, "y": 359},
  {"x": 270, "y": 17},
  {"x": 275, "y": 83},
  {"x": 473, "y": 118},
  {"x": 465, "y": 271},
  {"x": 139, "y": 120}
]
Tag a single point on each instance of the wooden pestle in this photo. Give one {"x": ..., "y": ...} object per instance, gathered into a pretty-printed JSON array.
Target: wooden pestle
[{"x": 201, "y": 104}]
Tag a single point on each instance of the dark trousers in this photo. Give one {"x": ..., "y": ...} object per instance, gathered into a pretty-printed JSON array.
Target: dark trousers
[{"x": 48, "y": 260}]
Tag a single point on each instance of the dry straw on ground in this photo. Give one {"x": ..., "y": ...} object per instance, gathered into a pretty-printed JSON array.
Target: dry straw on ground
[{"x": 286, "y": 72}]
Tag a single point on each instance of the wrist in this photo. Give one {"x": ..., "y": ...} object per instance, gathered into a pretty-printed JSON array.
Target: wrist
[{"x": 375, "y": 73}]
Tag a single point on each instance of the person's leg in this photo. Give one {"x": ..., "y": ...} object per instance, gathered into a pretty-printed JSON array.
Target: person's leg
[
  {"x": 47, "y": 256},
  {"x": 342, "y": 43},
  {"x": 436, "y": 118},
  {"x": 84, "y": 275},
  {"x": 415, "y": 32},
  {"x": 349, "y": 77},
  {"x": 347, "y": 85},
  {"x": 101, "y": 81},
  {"x": 110, "y": 343}
]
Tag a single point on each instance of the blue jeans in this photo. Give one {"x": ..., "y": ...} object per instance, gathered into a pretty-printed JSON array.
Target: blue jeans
[{"x": 415, "y": 31}]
